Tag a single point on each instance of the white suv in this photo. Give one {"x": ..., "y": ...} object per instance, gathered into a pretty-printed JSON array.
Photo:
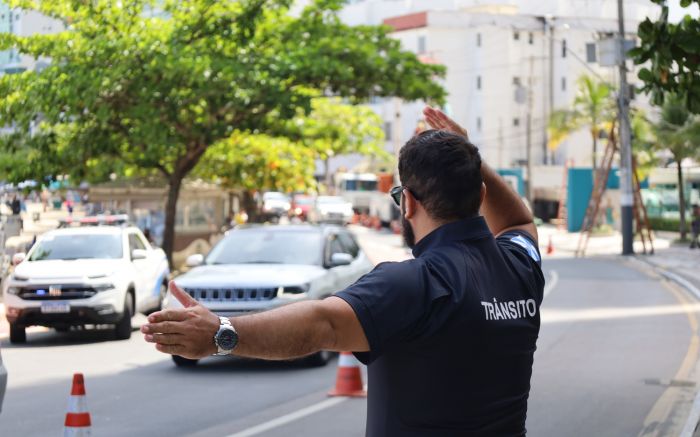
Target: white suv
[{"x": 85, "y": 276}]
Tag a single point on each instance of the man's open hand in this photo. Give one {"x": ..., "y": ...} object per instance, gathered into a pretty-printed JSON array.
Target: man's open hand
[
  {"x": 188, "y": 332},
  {"x": 438, "y": 120}
]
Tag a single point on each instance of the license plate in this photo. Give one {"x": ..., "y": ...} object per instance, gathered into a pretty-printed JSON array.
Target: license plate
[{"x": 55, "y": 308}]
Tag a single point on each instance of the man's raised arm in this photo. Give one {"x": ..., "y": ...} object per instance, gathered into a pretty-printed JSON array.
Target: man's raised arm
[{"x": 502, "y": 207}]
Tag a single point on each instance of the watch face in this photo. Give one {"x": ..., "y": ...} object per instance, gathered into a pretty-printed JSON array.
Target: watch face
[{"x": 227, "y": 339}]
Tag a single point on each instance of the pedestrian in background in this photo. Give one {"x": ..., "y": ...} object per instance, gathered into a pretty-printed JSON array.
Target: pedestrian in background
[
  {"x": 695, "y": 228},
  {"x": 448, "y": 337}
]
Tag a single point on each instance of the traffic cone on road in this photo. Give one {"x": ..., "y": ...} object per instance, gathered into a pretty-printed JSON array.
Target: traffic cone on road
[
  {"x": 550, "y": 246},
  {"x": 77, "y": 418},
  {"x": 348, "y": 382}
]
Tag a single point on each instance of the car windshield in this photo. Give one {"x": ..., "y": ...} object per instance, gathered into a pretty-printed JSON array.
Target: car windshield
[
  {"x": 304, "y": 200},
  {"x": 272, "y": 195},
  {"x": 71, "y": 247},
  {"x": 266, "y": 246},
  {"x": 330, "y": 199}
]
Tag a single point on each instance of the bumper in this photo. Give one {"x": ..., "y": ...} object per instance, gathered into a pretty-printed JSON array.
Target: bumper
[
  {"x": 78, "y": 315},
  {"x": 104, "y": 308}
]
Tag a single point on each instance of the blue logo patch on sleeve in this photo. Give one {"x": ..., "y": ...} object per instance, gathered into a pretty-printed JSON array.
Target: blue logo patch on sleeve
[{"x": 521, "y": 241}]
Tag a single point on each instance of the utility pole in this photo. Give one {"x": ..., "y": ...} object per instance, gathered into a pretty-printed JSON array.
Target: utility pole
[
  {"x": 626, "y": 196},
  {"x": 528, "y": 147}
]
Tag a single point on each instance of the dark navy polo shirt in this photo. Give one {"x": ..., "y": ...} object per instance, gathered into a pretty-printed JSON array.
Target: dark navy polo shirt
[{"x": 451, "y": 333}]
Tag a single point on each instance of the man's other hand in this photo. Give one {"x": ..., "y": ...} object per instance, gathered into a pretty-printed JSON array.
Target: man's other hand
[
  {"x": 188, "y": 332},
  {"x": 438, "y": 120}
]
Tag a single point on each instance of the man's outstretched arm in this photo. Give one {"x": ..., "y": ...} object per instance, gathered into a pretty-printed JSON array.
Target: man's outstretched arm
[
  {"x": 288, "y": 332},
  {"x": 502, "y": 207}
]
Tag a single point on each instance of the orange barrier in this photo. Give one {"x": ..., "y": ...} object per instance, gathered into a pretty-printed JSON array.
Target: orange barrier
[
  {"x": 348, "y": 382},
  {"x": 77, "y": 418}
]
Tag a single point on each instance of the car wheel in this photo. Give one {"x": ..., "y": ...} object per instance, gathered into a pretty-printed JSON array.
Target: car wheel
[
  {"x": 319, "y": 359},
  {"x": 122, "y": 330},
  {"x": 184, "y": 362},
  {"x": 17, "y": 334}
]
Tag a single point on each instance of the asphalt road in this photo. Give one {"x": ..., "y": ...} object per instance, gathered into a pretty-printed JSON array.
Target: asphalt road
[{"x": 613, "y": 356}]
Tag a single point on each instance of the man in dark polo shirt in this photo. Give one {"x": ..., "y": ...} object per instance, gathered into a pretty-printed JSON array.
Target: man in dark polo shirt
[{"x": 448, "y": 337}]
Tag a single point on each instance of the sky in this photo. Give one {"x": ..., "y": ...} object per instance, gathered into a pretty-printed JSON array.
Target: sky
[{"x": 676, "y": 13}]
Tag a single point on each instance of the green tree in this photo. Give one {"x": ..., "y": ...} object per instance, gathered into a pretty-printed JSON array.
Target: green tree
[
  {"x": 678, "y": 131},
  {"x": 333, "y": 129},
  {"x": 593, "y": 107},
  {"x": 257, "y": 162},
  {"x": 156, "y": 90},
  {"x": 673, "y": 53}
]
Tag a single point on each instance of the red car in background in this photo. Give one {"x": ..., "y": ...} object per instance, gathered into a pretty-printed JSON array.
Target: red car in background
[{"x": 301, "y": 204}]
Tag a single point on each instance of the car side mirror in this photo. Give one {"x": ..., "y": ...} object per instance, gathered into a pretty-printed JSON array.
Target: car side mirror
[
  {"x": 194, "y": 260},
  {"x": 138, "y": 254},
  {"x": 18, "y": 258},
  {"x": 341, "y": 259}
]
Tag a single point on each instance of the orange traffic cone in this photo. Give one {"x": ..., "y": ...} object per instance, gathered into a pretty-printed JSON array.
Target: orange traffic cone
[
  {"x": 349, "y": 379},
  {"x": 77, "y": 418},
  {"x": 550, "y": 246}
]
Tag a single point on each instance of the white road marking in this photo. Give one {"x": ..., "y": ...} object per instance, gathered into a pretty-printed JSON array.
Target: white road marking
[
  {"x": 553, "y": 281},
  {"x": 287, "y": 418}
]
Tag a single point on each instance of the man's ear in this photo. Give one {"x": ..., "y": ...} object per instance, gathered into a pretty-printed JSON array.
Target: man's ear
[
  {"x": 409, "y": 203},
  {"x": 482, "y": 194}
]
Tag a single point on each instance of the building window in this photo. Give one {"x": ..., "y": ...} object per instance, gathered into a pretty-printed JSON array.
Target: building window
[
  {"x": 478, "y": 40},
  {"x": 531, "y": 38},
  {"x": 516, "y": 81},
  {"x": 563, "y": 48},
  {"x": 590, "y": 52},
  {"x": 478, "y": 82},
  {"x": 516, "y": 35},
  {"x": 422, "y": 44},
  {"x": 478, "y": 124},
  {"x": 563, "y": 84},
  {"x": 516, "y": 122},
  {"x": 387, "y": 130}
]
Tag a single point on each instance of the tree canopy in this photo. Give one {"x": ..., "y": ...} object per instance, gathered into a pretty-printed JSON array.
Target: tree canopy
[
  {"x": 673, "y": 53},
  {"x": 154, "y": 84}
]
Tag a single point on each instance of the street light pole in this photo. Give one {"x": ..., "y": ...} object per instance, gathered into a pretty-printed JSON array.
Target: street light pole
[{"x": 626, "y": 197}]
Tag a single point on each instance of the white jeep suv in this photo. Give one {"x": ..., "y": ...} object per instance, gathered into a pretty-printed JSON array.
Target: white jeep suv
[{"x": 85, "y": 276}]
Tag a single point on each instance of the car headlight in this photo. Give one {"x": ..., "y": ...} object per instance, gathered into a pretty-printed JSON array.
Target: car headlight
[
  {"x": 17, "y": 277},
  {"x": 103, "y": 287},
  {"x": 13, "y": 290},
  {"x": 295, "y": 290}
]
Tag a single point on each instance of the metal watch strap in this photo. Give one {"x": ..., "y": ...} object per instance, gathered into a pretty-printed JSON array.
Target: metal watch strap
[{"x": 223, "y": 321}]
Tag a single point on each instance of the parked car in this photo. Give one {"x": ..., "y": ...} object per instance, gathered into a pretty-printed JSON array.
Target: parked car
[
  {"x": 302, "y": 205},
  {"x": 89, "y": 275},
  {"x": 331, "y": 209},
  {"x": 275, "y": 204},
  {"x": 259, "y": 268}
]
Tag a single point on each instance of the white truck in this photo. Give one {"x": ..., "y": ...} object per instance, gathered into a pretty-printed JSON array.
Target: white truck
[{"x": 360, "y": 189}]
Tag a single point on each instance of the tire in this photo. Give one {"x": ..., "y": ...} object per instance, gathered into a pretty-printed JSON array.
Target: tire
[
  {"x": 122, "y": 330},
  {"x": 319, "y": 359},
  {"x": 184, "y": 362},
  {"x": 18, "y": 334}
]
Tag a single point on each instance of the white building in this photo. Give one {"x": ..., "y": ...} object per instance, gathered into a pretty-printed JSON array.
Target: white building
[
  {"x": 23, "y": 23},
  {"x": 508, "y": 65}
]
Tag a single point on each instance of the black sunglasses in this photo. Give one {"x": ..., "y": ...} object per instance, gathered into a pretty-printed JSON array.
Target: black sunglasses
[{"x": 396, "y": 192}]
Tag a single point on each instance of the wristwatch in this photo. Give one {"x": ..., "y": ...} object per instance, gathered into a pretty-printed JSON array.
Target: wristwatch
[{"x": 226, "y": 338}]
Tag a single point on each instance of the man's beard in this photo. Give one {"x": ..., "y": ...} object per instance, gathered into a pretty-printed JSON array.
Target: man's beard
[{"x": 407, "y": 230}]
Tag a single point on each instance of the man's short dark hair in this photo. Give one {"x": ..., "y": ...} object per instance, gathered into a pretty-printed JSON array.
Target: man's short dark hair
[{"x": 443, "y": 170}]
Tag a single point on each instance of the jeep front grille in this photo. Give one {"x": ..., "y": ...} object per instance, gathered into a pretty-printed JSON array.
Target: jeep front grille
[{"x": 232, "y": 294}]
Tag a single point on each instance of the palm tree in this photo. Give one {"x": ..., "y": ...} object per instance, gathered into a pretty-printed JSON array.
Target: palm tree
[
  {"x": 592, "y": 107},
  {"x": 678, "y": 131}
]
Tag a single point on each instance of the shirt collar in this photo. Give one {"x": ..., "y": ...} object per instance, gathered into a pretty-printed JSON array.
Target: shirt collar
[{"x": 460, "y": 230}]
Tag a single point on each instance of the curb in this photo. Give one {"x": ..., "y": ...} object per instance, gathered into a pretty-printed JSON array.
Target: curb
[{"x": 693, "y": 419}]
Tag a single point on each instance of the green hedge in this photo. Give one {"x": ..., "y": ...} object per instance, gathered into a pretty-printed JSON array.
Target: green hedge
[{"x": 665, "y": 224}]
